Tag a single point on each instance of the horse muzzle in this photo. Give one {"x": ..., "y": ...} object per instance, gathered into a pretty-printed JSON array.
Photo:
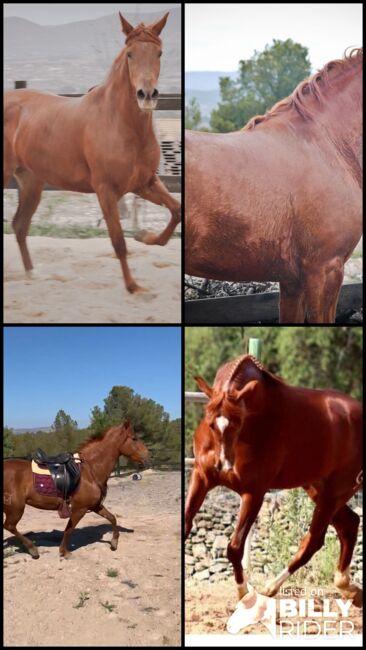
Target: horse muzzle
[{"x": 147, "y": 99}]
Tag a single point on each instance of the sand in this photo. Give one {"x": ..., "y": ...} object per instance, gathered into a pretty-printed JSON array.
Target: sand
[
  {"x": 139, "y": 606},
  {"x": 80, "y": 281}
]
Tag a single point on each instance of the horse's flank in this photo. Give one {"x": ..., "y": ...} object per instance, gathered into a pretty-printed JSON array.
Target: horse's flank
[{"x": 281, "y": 200}]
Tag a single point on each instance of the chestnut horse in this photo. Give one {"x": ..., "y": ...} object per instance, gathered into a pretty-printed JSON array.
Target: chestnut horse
[
  {"x": 98, "y": 458},
  {"x": 281, "y": 199},
  {"x": 103, "y": 142},
  {"x": 259, "y": 433}
]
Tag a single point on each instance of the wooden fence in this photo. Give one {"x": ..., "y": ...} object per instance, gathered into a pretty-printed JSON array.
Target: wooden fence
[{"x": 166, "y": 102}]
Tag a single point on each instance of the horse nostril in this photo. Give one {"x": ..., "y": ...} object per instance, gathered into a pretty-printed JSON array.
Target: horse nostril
[
  {"x": 140, "y": 94},
  {"x": 155, "y": 93}
]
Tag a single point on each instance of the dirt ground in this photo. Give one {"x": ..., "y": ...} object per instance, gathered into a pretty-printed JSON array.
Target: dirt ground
[
  {"x": 80, "y": 281},
  {"x": 140, "y": 606},
  {"x": 208, "y": 607}
]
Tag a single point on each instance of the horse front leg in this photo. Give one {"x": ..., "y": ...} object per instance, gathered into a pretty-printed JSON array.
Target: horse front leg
[
  {"x": 322, "y": 288},
  {"x": 198, "y": 489},
  {"x": 249, "y": 508},
  {"x": 156, "y": 192},
  {"x": 292, "y": 304},
  {"x": 109, "y": 205},
  {"x": 103, "y": 512}
]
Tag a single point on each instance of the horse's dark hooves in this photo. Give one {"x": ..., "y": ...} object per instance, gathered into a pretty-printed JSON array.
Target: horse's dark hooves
[{"x": 35, "y": 557}]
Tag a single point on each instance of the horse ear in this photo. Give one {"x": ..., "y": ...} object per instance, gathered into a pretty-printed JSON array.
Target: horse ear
[
  {"x": 205, "y": 388},
  {"x": 247, "y": 393},
  {"x": 126, "y": 27},
  {"x": 159, "y": 25}
]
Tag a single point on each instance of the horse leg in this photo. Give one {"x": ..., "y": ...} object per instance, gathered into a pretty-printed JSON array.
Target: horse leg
[
  {"x": 325, "y": 508},
  {"x": 322, "y": 289},
  {"x": 29, "y": 192},
  {"x": 196, "y": 494},
  {"x": 292, "y": 304},
  {"x": 346, "y": 523},
  {"x": 103, "y": 512},
  {"x": 249, "y": 508},
  {"x": 109, "y": 205},
  {"x": 71, "y": 524},
  {"x": 11, "y": 520},
  {"x": 156, "y": 192},
  {"x": 332, "y": 290}
]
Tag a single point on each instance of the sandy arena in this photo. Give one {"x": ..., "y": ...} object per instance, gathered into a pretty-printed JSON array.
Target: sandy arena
[
  {"x": 53, "y": 602},
  {"x": 80, "y": 281}
]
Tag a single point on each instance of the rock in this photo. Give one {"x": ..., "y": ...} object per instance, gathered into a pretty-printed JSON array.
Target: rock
[
  {"x": 217, "y": 567},
  {"x": 202, "y": 575},
  {"x": 201, "y": 524},
  {"x": 189, "y": 570},
  {"x": 219, "y": 547},
  {"x": 199, "y": 550},
  {"x": 189, "y": 560}
]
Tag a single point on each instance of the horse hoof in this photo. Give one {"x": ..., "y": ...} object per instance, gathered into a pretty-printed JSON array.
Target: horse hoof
[
  {"x": 113, "y": 548},
  {"x": 145, "y": 237},
  {"x": 135, "y": 288},
  {"x": 35, "y": 557}
]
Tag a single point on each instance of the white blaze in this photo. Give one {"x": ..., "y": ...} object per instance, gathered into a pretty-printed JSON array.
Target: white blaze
[{"x": 222, "y": 424}]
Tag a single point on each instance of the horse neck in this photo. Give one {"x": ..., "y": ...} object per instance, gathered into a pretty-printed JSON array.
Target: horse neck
[
  {"x": 102, "y": 456},
  {"x": 341, "y": 119},
  {"x": 120, "y": 100}
]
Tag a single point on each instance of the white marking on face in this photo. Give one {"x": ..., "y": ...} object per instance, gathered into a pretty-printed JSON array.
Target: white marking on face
[{"x": 222, "y": 423}]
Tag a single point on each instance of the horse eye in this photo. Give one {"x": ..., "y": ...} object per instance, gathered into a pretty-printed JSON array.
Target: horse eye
[{"x": 160, "y": 53}]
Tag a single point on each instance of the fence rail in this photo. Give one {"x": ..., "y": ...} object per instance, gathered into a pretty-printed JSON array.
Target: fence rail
[{"x": 260, "y": 307}]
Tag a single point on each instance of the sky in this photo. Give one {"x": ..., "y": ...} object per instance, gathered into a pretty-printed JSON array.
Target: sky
[
  {"x": 219, "y": 35},
  {"x": 58, "y": 13},
  {"x": 74, "y": 368}
]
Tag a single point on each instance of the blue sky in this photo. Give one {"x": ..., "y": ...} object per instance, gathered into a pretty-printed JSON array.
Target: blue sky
[{"x": 74, "y": 368}]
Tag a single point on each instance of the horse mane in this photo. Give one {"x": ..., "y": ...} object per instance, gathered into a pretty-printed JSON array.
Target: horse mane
[
  {"x": 231, "y": 372},
  {"x": 93, "y": 438},
  {"x": 143, "y": 33},
  {"x": 311, "y": 87}
]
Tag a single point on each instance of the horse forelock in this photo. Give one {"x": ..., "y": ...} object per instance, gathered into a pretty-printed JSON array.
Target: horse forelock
[
  {"x": 313, "y": 87},
  {"x": 143, "y": 33}
]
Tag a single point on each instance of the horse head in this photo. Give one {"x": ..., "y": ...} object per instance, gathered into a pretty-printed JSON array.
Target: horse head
[
  {"x": 143, "y": 51},
  {"x": 237, "y": 392},
  {"x": 131, "y": 446}
]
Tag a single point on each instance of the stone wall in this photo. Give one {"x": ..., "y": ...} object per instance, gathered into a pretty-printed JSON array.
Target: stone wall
[{"x": 205, "y": 550}]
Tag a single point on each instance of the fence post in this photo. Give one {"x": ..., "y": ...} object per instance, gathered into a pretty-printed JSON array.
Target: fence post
[
  {"x": 20, "y": 84},
  {"x": 255, "y": 348}
]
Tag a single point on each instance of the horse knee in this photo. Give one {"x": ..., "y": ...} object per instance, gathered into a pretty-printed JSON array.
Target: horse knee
[{"x": 234, "y": 552}]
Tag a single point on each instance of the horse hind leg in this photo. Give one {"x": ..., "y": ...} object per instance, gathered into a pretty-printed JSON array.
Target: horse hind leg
[
  {"x": 11, "y": 520},
  {"x": 346, "y": 523},
  {"x": 157, "y": 193},
  {"x": 29, "y": 191}
]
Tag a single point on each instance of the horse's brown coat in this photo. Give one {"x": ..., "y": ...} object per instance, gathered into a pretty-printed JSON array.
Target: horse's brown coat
[
  {"x": 103, "y": 142},
  {"x": 281, "y": 199},
  {"x": 279, "y": 436}
]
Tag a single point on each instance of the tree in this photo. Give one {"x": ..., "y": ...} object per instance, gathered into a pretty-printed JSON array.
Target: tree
[
  {"x": 98, "y": 421},
  {"x": 8, "y": 442},
  {"x": 193, "y": 115},
  {"x": 263, "y": 80},
  {"x": 65, "y": 428}
]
